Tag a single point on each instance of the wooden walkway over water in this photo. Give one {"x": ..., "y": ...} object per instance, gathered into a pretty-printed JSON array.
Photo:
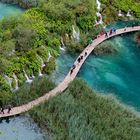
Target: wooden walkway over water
[{"x": 65, "y": 83}]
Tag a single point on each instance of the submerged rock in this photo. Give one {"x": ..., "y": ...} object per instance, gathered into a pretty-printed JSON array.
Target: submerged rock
[
  {"x": 105, "y": 49},
  {"x": 137, "y": 38}
]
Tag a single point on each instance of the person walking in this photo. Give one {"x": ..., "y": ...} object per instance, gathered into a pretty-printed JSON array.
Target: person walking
[
  {"x": 106, "y": 35},
  {"x": 9, "y": 109},
  {"x": 2, "y": 110}
]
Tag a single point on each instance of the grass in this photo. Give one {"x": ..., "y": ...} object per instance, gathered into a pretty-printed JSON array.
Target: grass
[{"x": 81, "y": 114}]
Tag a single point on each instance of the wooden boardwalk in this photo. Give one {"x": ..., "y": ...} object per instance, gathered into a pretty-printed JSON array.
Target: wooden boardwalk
[{"x": 64, "y": 84}]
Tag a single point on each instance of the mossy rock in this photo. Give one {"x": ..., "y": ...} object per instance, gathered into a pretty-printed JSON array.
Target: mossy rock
[
  {"x": 105, "y": 48},
  {"x": 137, "y": 38}
]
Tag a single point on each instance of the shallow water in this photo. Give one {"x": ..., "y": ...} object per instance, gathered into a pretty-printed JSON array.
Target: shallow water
[
  {"x": 117, "y": 74},
  {"x": 20, "y": 128},
  {"x": 8, "y": 10}
]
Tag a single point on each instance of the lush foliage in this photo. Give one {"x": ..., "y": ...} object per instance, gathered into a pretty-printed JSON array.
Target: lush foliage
[
  {"x": 79, "y": 113},
  {"x": 111, "y": 8}
]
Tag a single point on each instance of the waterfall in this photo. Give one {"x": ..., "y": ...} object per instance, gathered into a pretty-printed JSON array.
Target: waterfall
[
  {"x": 76, "y": 35},
  {"x": 98, "y": 5},
  {"x": 63, "y": 47},
  {"x": 42, "y": 62},
  {"x": 33, "y": 75},
  {"x": 16, "y": 80},
  {"x": 120, "y": 13},
  {"x": 98, "y": 13},
  {"x": 49, "y": 56},
  {"x": 40, "y": 74},
  {"x": 128, "y": 14},
  {"x": 28, "y": 80},
  {"x": 9, "y": 81}
]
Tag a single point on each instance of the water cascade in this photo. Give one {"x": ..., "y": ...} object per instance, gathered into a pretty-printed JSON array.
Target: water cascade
[
  {"x": 75, "y": 34},
  {"x": 28, "y": 80},
  {"x": 33, "y": 75},
  {"x": 128, "y": 14},
  {"x": 49, "y": 56},
  {"x": 39, "y": 72},
  {"x": 16, "y": 80},
  {"x": 120, "y": 14},
  {"x": 9, "y": 81},
  {"x": 98, "y": 13},
  {"x": 63, "y": 47},
  {"x": 42, "y": 62}
]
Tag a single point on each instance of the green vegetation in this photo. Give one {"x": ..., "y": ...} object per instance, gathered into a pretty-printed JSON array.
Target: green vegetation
[
  {"x": 111, "y": 8},
  {"x": 28, "y": 92},
  {"x": 80, "y": 113},
  {"x": 26, "y": 40}
]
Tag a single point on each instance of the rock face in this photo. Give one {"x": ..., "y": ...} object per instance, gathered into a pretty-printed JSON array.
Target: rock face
[{"x": 105, "y": 48}]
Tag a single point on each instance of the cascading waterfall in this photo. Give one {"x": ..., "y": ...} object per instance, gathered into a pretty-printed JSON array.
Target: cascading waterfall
[
  {"x": 63, "y": 47},
  {"x": 75, "y": 34},
  {"x": 33, "y": 75},
  {"x": 49, "y": 56},
  {"x": 9, "y": 81},
  {"x": 120, "y": 14},
  {"x": 39, "y": 72},
  {"x": 42, "y": 62},
  {"x": 28, "y": 80},
  {"x": 16, "y": 80},
  {"x": 98, "y": 13},
  {"x": 128, "y": 14}
]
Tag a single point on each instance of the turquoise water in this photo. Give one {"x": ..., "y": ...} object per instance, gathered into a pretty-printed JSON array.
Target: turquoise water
[
  {"x": 117, "y": 74},
  {"x": 8, "y": 10}
]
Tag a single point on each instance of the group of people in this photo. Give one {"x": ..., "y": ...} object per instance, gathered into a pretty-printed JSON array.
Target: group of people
[
  {"x": 8, "y": 108},
  {"x": 111, "y": 31},
  {"x": 79, "y": 60}
]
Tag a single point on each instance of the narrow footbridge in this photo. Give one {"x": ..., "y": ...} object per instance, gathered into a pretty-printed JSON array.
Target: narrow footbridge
[{"x": 70, "y": 77}]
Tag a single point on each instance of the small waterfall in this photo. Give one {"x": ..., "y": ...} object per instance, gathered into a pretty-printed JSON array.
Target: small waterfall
[
  {"x": 63, "y": 47},
  {"x": 76, "y": 35},
  {"x": 98, "y": 5},
  {"x": 42, "y": 62},
  {"x": 9, "y": 81},
  {"x": 39, "y": 72},
  {"x": 16, "y": 80},
  {"x": 28, "y": 80},
  {"x": 49, "y": 56},
  {"x": 120, "y": 14},
  {"x": 128, "y": 14},
  {"x": 98, "y": 13},
  {"x": 33, "y": 75}
]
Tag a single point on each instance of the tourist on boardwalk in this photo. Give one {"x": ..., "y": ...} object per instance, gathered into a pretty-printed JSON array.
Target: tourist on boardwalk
[
  {"x": 102, "y": 33},
  {"x": 9, "y": 109},
  {"x": 125, "y": 28},
  {"x": 81, "y": 57},
  {"x": 106, "y": 34},
  {"x": 74, "y": 66},
  {"x": 71, "y": 71},
  {"x": 110, "y": 32},
  {"x": 85, "y": 53},
  {"x": 114, "y": 30},
  {"x": 2, "y": 110}
]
